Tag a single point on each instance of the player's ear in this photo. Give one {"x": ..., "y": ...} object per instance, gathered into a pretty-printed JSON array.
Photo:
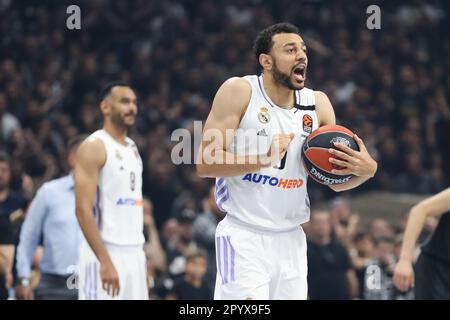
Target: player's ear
[
  {"x": 104, "y": 106},
  {"x": 265, "y": 60}
]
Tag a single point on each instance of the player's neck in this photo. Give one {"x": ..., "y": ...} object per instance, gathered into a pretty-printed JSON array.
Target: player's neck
[
  {"x": 118, "y": 134},
  {"x": 279, "y": 94}
]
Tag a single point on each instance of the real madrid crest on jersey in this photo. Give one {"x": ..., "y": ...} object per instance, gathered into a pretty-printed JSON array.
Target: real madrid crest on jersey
[
  {"x": 263, "y": 115},
  {"x": 118, "y": 155}
]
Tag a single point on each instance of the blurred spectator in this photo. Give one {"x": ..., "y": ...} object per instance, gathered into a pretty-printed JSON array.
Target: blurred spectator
[
  {"x": 330, "y": 271},
  {"x": 204, "y": 232},
  {"x": 181, "y": 243},
  {"x": 192, "y": 286},
  {"x": 12, "y": 206},
  {"x": 361, "y": 255},
  {"x": 51, "y": 220},
  {"x": 8, "y": 122},
  {"x": 344, "y": 222},
  {"x": 380, "y": 228},
  {"x": 156, "y": 256},
  {"x": 378, "y": 282}
]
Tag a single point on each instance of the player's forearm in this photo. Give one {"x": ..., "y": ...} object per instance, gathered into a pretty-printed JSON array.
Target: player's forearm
[
  {"x": 350, "y": 184},
  {"x": 92, "y": 234},
  {"x": 226, "y": 164},
  {"x": 416, "y": 221}
]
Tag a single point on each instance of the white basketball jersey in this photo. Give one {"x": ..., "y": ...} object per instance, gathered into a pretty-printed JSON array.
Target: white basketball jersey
[
  {"x": 274, "y": 198},
  {"x": 119, "y": 204}
]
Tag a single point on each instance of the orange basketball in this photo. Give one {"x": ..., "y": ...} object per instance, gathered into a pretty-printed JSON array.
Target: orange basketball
[{"x": 315, "y": 153}]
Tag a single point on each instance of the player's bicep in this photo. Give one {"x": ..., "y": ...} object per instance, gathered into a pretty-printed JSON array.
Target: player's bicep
[
  {"x": 324, "y": 109},
  {"x": 226, "y": 112},
  {"x": 90, "y": 158}
]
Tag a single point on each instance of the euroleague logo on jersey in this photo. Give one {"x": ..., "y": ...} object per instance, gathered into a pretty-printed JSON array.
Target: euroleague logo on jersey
[{"x": 307, "y": 123}]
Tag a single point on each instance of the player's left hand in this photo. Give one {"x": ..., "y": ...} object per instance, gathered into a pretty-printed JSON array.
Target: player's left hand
[{"x": 358, "y": 163}]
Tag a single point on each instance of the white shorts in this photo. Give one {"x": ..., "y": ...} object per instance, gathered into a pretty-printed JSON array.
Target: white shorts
[
  {"x": 130, "y": 263},
  {"x": 262, "y": 265}
]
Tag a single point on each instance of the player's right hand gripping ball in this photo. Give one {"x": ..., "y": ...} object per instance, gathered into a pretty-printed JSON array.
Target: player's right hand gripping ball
[{"x": 315, "y": 153}]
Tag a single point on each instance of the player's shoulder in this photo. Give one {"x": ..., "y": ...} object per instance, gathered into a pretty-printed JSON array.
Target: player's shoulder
[
  {"x": 320, "y": 96},
  {"x": 130, "y": 142},
  {"x": 322, "y": 101},
  {"x": 237, "y": 85},
  {"x": 93, "y": 143},
  {"x": 232, "y": 98},
  {"x": 324, "y": 108},
  {"x": 92, "y": 149}
]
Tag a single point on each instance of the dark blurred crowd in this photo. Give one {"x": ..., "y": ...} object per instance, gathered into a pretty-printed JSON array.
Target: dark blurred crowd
[{"x": 391, "y": 86}]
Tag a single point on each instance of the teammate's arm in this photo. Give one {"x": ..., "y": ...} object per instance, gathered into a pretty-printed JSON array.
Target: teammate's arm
[
  {"x": 91, "y": 156},
  {"x": 433, "y": 206},
  {"x": 359, "y": 163},
  {"x": 227, "y": 110}
]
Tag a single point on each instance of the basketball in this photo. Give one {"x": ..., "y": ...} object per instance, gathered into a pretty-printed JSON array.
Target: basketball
[{"x": 315, "y": 153}]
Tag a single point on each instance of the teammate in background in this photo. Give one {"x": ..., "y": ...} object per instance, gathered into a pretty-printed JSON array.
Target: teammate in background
[
  {"x": 431, "y": 279},
  {"x": 11, "y": 204},
  {"x": 109, "y": 204},
  {"x": 260, "y": 246}
]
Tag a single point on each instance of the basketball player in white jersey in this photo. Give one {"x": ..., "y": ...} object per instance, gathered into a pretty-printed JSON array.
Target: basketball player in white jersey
[
  {"x": 109, "y": 204},
  {"x": 260, "y": 245}
]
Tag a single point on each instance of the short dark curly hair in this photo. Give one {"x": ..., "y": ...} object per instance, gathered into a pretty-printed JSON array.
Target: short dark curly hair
[{"x": 263, "y": 42}]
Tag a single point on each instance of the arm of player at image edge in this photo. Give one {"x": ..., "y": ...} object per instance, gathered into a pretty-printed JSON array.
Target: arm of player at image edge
[
  {"x": 228, "y": 107},
  {"x": 359, "y": 163},
  {"x": 433, "y": 206},
  {"x": 91, "y": 156}
]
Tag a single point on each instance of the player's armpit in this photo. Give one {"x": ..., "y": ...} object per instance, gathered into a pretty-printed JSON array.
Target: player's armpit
[{"x": 324, "y": 109}]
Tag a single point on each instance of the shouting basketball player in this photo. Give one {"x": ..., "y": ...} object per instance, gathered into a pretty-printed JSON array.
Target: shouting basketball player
[
  {"x": 109, "y": 205},
  {"x": 260, "y": 245}
]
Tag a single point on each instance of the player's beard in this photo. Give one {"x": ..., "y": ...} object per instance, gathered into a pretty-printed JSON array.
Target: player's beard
[
  {"x": 283, "y": 79},
  {"x": 119, "y": 121}
]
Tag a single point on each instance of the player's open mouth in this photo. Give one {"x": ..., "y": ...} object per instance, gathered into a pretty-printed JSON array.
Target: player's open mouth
[{"x": 300, "y": 73}]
